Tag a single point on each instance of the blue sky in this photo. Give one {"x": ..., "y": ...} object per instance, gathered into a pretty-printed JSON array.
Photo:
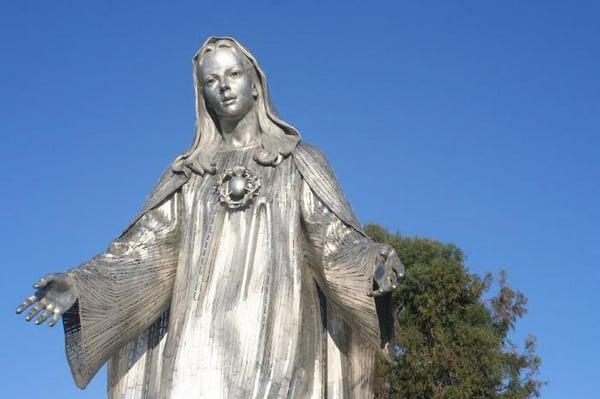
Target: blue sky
[{"x": 469, "y": 122}]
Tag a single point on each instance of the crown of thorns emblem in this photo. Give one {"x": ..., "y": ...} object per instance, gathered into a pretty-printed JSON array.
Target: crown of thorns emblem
[{"x": 237, "y": 186}]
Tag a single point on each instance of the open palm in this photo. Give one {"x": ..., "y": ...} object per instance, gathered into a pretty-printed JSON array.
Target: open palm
[{"x": 55, "y": 295}]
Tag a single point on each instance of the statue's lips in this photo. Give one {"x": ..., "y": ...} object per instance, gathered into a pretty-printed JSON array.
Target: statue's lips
[{"x": 228, "y": 100}]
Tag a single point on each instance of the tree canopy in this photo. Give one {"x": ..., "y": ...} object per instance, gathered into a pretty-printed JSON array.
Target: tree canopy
[{"x": 452, "y": 338}]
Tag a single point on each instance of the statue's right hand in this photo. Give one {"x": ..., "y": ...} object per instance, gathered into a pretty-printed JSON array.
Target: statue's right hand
[{"x": 55, "y": 294}]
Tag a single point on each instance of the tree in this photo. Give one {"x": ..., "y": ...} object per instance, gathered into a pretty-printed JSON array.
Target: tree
[{"x": 450, "y": 340}]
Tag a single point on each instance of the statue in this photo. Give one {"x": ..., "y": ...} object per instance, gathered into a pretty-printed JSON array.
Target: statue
[{"x": 246, "y": 273}]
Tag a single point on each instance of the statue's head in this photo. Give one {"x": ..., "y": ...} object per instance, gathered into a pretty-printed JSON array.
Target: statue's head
[{"x": 229, "y": 83}]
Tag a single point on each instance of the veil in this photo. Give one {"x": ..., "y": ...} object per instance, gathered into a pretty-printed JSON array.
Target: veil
[{"x": 279, "y": 138}]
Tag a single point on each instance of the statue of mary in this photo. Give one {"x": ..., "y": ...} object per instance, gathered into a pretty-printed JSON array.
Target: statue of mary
[{"x": 246, "y": 273}]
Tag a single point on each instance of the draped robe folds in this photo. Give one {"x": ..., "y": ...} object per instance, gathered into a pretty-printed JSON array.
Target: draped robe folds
[{"x": 196, "y": 300}]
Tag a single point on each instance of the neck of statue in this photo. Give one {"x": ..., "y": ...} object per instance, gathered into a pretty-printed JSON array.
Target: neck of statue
[{"x": 241, "y": 133}]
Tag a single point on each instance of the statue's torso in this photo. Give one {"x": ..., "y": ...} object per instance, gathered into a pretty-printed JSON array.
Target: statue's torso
[{"x": 245, "y": 319}]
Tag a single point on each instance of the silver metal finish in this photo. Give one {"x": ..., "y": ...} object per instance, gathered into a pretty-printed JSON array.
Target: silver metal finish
[
  {"x": 245, "y": 275},
  {"x": 237, "y": 186}
]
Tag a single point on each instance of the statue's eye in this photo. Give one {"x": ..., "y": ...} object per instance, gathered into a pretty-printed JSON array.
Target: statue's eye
[
  {"x": 236, "y": 74},
  {"x": 210, "y": 81}
]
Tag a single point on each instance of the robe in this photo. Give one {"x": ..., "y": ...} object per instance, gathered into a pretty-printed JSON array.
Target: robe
[{"x": 198, "y": 300}]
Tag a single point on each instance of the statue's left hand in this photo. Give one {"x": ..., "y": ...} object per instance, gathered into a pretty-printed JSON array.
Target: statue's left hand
[
  {"x": 56, "y": 293},
  {"x": 388, "y": 272}
]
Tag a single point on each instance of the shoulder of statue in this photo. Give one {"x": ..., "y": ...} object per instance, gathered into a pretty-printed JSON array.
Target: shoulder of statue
[
  {"x": 306, "y": 149},
  {"x": 320, "y": 177},
  {"x": 306, "y": 155},
  {"x": 168, "y": 182}
]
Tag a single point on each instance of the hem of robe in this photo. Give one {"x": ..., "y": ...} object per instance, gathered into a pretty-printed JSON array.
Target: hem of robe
[{"x": 74, "y": 347}]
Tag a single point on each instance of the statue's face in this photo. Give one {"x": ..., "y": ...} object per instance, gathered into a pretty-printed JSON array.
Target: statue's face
[{"x": 227, "y": 84}]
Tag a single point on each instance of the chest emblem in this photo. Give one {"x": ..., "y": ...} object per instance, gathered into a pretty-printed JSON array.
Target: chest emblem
[{"x": 237, "y": 186}]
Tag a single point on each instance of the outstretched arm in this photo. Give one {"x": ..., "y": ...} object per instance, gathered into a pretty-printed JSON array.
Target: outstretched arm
[
  {"x": 114, "y": 296},
  {"x": 333, "y": 238},
  {"x": 349, "y": 266}
]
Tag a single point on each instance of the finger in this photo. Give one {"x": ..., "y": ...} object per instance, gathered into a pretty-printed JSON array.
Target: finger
[
  {"x": 399, "y": 269},
  {"x": 393, "y": 283},
  {"x": 386, "y": 287},
  {"x": 43, "y": 317},
  {"x": 390, "y": 286},
  {"x": 26, "y": 303},
  {"x": 375, "y": 293},
  {"x": 35, "y": 310},
  {"x": 384, "y": 251},
  {"x": 44, "y": 281},
  {"x": 387, "y": 290},
  {"x": 55, "y": 318}
]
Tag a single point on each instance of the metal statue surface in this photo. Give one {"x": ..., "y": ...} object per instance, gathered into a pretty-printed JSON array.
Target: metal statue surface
[{"x": 246, "y": 273}]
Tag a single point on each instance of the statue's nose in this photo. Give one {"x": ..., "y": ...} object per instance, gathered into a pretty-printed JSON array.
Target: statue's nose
[{"x": 225, "y": 86}]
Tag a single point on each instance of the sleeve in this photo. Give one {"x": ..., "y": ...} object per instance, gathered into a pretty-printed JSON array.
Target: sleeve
[
  {"x": 342, "y": 260},
  {"x": 123, "y": 291}
]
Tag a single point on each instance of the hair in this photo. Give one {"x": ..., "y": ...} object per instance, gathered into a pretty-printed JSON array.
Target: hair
[{"x": 278, "y": 138}]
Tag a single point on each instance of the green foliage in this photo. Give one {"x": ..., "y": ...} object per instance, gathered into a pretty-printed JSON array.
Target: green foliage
[{"x": 451, "y": 342}]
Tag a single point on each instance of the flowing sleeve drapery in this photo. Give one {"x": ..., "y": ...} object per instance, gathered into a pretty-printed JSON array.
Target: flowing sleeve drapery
[
  {"x": 123, "y": 291},
  {"x": 342, "y": 261},
  {"x": 341, "y": 256}
]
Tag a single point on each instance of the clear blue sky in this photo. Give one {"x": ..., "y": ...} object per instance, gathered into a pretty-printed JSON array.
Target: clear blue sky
[{"x": 470, "y": 122}]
